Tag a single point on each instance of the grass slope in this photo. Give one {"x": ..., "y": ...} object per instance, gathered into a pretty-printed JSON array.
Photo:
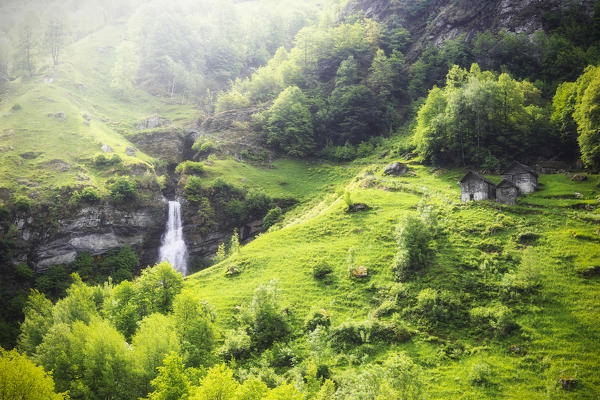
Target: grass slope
[
  {"x": 64, "y": 147},
  {"x": 482, "y": 243}
]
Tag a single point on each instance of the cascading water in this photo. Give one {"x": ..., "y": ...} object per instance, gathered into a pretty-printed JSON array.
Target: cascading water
[{"x": 173, "y": 248}]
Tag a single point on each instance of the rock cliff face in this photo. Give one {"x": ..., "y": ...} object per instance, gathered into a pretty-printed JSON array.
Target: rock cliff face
[
  {"x": 94, "y": 229},
  {"x": 437, "y": 21}
]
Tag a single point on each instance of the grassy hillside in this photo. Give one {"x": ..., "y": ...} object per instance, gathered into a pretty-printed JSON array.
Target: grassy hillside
[
  {"x": 539, "y": 259},
  {"x": 52, "y": 126}
]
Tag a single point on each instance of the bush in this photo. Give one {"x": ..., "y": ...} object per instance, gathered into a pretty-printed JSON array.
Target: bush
[
  {"x": 89, "y": 195},
  {"x": 22, "y": 204},
  {"x": 272, "y": 217},
  {"x": 265, "y": 319},
  {"x": 439, "y": 306},
  {"x": 499, "y": 319},
  {"x": 257, "y": 204},
  {"x": 102, "y": 161},
  {"x": 317, "y": 318},
  {"x": 414, "y": 238},
  {"x": 190, "y": 168},
  {"x": 353, "y": 333},
  {"x": 16, "y": 107},
  {"x": 204, "y": 147},
  {"x": 123, "y": 190},
  {"x": 320, "y": 271},
  {"x": 237, "y": 345},
  {"x": 480, "y": 373},
  {"x": 193, "y": 189}
]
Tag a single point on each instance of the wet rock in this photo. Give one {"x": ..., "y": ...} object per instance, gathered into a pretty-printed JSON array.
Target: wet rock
[{"x": 396, "y": 169}]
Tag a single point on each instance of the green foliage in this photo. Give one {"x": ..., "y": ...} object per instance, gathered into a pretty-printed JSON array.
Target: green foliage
[
  {"x": 498, "y": 318},
  {"x": 154, "y": 339},
  {"x": 231, "y": 100},
  {"x": 21, "y": 378},
  {"x": 194, "y": 322},
  {"x": 586, "y": 116},
  {"x": 38, "y": 319},
  {"x": 320, "y": 270},
  {"x": 190, "y": 168},
  {"x": 272, "y": 216},
  {"x": 414, "y": 237},
  {"x": 101, "y": 161},
  {"x": 171, "y": 382},
  {"x": 264, "y": 318},
  {"x": 123, "y": 191},
  {"x": 439, "y": 306},
  {"x": 237, "y": 344},
  {"x": 157, "y": 287},
  {"x": 317, "y": 318},
  {"x": 22, "y": 204},
  {"x": 478, "y": 114},
  {"x": 289, "y": 124}
]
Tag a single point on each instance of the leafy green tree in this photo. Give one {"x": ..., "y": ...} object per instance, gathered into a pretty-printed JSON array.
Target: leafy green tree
[
  {"x": 171, "y": 383},
  {"x": 122, "y": 309},
  {"x": 123, "y": 190},
  {"x": 347, "y": 73},
  {"x": 218, "y": 383},
  {"x": 587, "y": 116},
  {"x": 82, "y": 303},
  {"x": 289, "y": 125},
  {"x": 21, "y": 379},
  {"x": 264, "y": 317},
  {"x": 154, "y": 339},
  {"x": 355, "y": 114},
  {"x": 194, "y": 322},
  {"x": 108, "y": 364},
  {"x": 479, "y": 118},
  {"x": 156, "y": 289},
  {"x": 38, "y": 319}
]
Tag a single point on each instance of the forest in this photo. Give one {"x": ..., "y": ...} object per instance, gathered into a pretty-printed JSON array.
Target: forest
[{"x": 306, "y": 158}]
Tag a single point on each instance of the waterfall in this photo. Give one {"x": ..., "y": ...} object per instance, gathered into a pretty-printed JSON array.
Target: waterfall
[{"x": 173, "y": 248}]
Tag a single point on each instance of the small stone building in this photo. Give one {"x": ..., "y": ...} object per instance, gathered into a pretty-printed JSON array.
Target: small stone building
[
  {"x": 523, "y": 177},
  {"x": 507, "y": 192},
  {"x": 475, "y": 187}
]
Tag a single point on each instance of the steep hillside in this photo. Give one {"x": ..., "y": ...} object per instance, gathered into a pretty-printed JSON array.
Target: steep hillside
[{"x": 521, "y": 282}]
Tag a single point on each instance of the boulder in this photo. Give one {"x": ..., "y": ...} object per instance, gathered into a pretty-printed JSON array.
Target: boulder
[
  {"x": 579, "y": 177},
  {"x": 58, "y": 165},
  {"x": 106, "y": 148},
  {"x": 130, "y": 151},
  {"x": 232, "y": 270},
  {"x": 357, "y": 207},
  {"x": 396, "y": 169},
  {"x": 30, "y": 155},
  {"x": 578, "y": 195},
  {"x": 154, "y": 121},
  {"x": 360, "y": 272}
]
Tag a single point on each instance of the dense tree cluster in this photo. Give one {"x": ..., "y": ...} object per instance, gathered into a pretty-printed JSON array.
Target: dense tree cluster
[
  {"x": 576, "y": 114},
  {"x": 480, "y": 118}
]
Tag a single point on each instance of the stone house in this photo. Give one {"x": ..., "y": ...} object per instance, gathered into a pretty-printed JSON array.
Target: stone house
[
  {"x": 507, "y": 192},
  {"x": 475, "y": 187},
  {"x": 523, "y": 177}
]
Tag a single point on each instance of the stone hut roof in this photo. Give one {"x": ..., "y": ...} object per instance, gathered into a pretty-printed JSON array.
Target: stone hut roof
[
  {"x": 506, "y": 184},
  {"x": 519, "y": 167},
  {"x": 476, "y": 176}
]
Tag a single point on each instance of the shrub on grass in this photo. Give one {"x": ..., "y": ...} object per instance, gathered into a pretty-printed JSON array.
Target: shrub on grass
[
  {"x": 190, "y": 168},
  {"x": 414, "y": 238},
  {"x": 320, "y": 270},
  {"x": 498, "y": 319},
  {"x": 317, "y": 318},
  {"x": 22, "y": 204},
  {"x": 351, "y": 333},
  {"x": 265, "y": 319},
  {"x": 271, "y": 218},
  {"x": 123, "y": 190},
  {"x": 90, "y": 195},
  {"x": 102, "y": 161},
  {"x": 439, "y": 306},
  {"x": 480, "y": 374},
  {"x": 237, "y": 344}
]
